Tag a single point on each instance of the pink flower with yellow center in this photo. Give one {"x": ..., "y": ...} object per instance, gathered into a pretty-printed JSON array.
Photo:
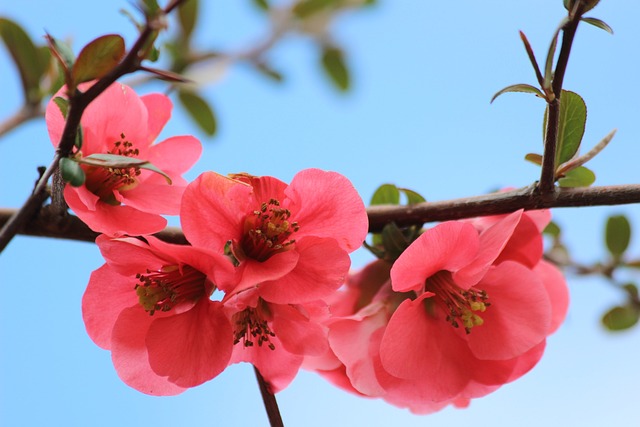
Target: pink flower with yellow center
[
  {"x": 128, "y": 200},
  {"x": 150, "y": 305},
  {"x": 290, "y": 245}
]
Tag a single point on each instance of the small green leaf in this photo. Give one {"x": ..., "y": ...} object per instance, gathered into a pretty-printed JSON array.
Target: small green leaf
[
  {"x": 548, "y": 67},
  {"x": 334, "y": 65},
  {"x": 107, "y": 160},
  {"x": 27, "y": 58},
  {"x": 386, "y": 194},
  {"x": 71, "y": 172},
  {"x": 621, "y": 318},
  {"x": 199, "y": 110},
  {"x": 305, "y": 8},
  {"x": 98, "y": 58},
  {"x": 262, "y": 4},
  {"x": 522, "y": 87},
  {"x": 412, "y": 196},
  {"x": 187, "y": 15},
  {"x": 534, "y": 158},
  {"x": 571, "y": 125},
  {"x": 578, "y": 177},
  {"x": 393, "y": 241},
  {"x": 79, "y": 138},
  {"x": 62, "y": 52},
  {"x": 552, "y": 229},
  {"x": 632, "y": 290},
  {"x": 63, "y": 105},
  {"x": 269, "y": 72},
  {"x": 588, "y": 4},
  {"x": 617, "y": 235},
  {"x": 598, "y": 23}
]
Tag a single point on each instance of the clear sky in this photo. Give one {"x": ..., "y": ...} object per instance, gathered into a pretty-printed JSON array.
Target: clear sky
[{"x": 418, "y": 116}]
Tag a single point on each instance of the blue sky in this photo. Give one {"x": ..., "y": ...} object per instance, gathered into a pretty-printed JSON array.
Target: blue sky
[{"x": 418, "y": 116}]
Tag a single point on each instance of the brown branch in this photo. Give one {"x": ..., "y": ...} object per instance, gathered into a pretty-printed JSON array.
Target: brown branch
[
  {"x": 269, "y": 400},
  {"x": 491, "y": 204},
  {"x": 547, "y": 174},
  {"x": 23, "y": 115},
  {"x": 78, "y": 102}
]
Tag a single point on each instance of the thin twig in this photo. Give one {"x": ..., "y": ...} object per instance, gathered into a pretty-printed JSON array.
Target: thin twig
[
  {"x": 491, "y": 204},
  {"x": 23, "y": 115},
  {"x": 269, "y": 400}
]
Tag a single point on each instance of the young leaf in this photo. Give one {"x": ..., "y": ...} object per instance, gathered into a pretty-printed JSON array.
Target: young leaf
[
  {"x": 26, "y": 56},
  {"x": 62, "y": 52},
  {"x": 571, "y": 125},
  {"x": 306, "y": 8},
  {"x": 63, "y": 105},
  {"x": 534, "y": 158},
  {"x": 98, "y": 58},
  {"x": 386, "y": 194},
  {"x": 621, "y": 318},
  {"x": 106, "y": 160},
  {"x": 598, "y": 23},
  {"x": 187, "y": 15},
  {"x": 412, "y": 196},
  {"x": 71, "y": 172},
  {"x": 334, "y": 65},
  {"x": 262, "y": 4},
  {"x": 199, "y": 110},
  {"x": 617, "y": 235},
  {"x": 522, "y": 87},
  {"x": 552, "y": 229},
  {"x": 578, "y": 177}
]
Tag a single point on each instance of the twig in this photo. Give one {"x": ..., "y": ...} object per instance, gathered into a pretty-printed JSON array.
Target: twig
[
  {"x": 269, "y": 400},
  {"x": 491, "y": 204},
  {"x": 24, "y": 114}
]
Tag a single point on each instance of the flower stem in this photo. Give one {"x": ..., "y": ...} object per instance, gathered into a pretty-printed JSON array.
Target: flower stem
[{"x": 270, "y": 403}]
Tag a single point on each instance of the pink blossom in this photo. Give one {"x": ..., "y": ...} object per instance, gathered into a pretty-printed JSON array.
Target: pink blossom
[
  {"x": 469, "y": 310},
  {"x": 149, "y": 304},
  {"x": 119, "y": 201},
  {"x": 291, "y": 246}
]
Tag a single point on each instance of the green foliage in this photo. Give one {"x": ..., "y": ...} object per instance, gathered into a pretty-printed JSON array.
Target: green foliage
[
  {"x": 588, "y": 4},
  {"x": 187, "y": 16},
  {"x": 305, "y": 8},
  {"x": 386, "y": 194},
  {"x": 97, "y": 58},
  {"x": 571, "y": 125},
  {"x": 617, "y": 235},
  {"x": 578, "y": 177},
  {"x": 261, "y": 4},
  {"x": 598, "y": 23},
  {"x": 72, "y": 172},
  {"x": 552, "y": 229},
  {"x": 522, "y": 87},
  {"x": 199, "y": 110},
  {"x": 334, "y": 65},
  {"x": 269, "y": 72},
  {"x": 62, "y": 52},
  {"x": 63, "y": 105},
  {"x": 621, "y": 317},
  {"x": 534, "y": 158},
  {"x": 31, "y": 61}
]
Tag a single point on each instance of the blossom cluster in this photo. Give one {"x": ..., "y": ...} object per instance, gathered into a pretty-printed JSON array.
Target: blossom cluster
[{"x": 265, "y": 278}]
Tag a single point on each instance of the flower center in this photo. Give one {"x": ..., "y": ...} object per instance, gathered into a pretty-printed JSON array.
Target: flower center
[
  {"x": 164, "y": 289},
  {"x": 104, "y": 181},
  {"x": 460, "y": 306},
  {"x": 267, "y": 231},
  {"x": 250, "y": 324}
]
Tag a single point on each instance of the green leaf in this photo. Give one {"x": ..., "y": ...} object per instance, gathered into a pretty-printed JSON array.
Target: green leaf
[
  {"x": 305, "y": 8},
  {"x": 106, "y": 160},
  {"x": 334, "y": 65},
  {"x": 79, "y": 138},
  {"x": 632, "y": 290},
  {"x": 412, "y": 196},
  {"x": 269, "y": 72},
  {"x": 578, "y": 177},
  {"x": 588, "y": 4},
  {"x": 620, "y": 318},
  {"x": 552, "y": 229},
  {"x": 386, "y": 194},
  {"x": 571, "y": 125},
  {"x": 598, "y": 23},
  {"x": 187, "y": 15},
  {"x": 548, "y": 67},
  {"x": 617, "y": 234},
  {"x": 393, "y": 241},
  {"x": 262, "y": 4},
  {"x": 63, "y": 105},
  {"x": 29, "y": 61},
  {"x": 62, "y": 52},
  {"x": 534, "y": 158},
  {"x": 199, "y": 110},
  {"x": 71, "y": 172},
  {"x": 522, "y": 87},
  {"x": 98, "y": 58}
]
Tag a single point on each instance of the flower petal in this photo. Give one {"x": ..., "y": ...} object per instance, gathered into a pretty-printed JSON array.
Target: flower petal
[
  {"x": 159, "y": 109},
  {"x": 191, "y": 347},
  {"x": 325, "y": 204},
  {"x": 558, "y": 292},
  {"x": 447, "y": 246},
  {"x": 175, "y": 155}
]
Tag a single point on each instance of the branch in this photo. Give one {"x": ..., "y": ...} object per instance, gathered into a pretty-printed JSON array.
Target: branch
[
  {"x": 78, "y": 102},
  {"x": 269, "y": 400},
  {"x": 23, "y": 115},
  {"x": 491, "y": 204}
]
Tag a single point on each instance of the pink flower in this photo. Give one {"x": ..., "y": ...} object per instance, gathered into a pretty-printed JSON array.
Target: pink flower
[
  {"x": 480, "y": 311},
  {"x": 127, "y": 200},
  {"x": 291, "y": 246},
  {"x": 469, "y": 310},
  {"x": 149, "y": 304}
]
